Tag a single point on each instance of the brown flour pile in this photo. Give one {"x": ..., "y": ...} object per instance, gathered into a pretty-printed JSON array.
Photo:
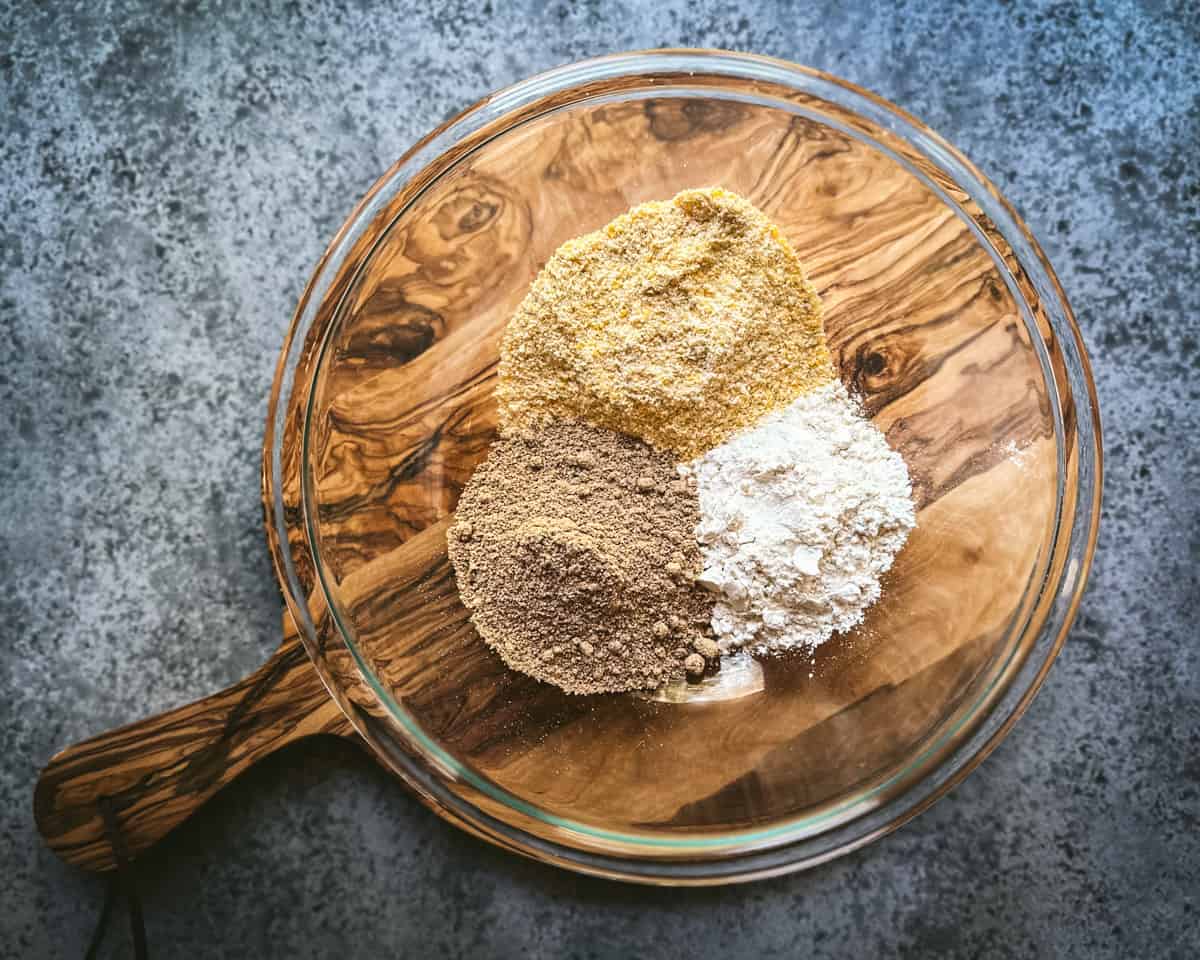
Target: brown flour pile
[
  {"x": 574, "y": 551},
  {"x": 680, "y": 322}
]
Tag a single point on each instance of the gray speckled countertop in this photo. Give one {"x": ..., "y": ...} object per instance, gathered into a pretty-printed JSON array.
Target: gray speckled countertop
[{"x": 170, "y": 174}]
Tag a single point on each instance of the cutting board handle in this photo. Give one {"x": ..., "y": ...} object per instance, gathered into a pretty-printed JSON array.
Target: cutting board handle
[{"x": 110, "y": 798}]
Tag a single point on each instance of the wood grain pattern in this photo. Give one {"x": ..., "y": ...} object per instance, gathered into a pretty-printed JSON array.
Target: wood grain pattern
[
  {"x": 923, "y": 328},
  {"x": 864, "y": 230},
  {"x": 155, "y": 773},
  {"x": 617, "y": 754}
]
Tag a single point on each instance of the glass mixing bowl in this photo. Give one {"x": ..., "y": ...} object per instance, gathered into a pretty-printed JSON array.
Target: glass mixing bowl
[{"x": 942, "y": 315}]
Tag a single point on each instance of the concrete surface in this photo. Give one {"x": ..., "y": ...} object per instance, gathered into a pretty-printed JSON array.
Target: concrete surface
[{"x": 169, "y": 174}]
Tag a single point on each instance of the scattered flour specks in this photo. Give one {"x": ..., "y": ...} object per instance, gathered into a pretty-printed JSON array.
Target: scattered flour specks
[{"x": 1016, "y": 455}]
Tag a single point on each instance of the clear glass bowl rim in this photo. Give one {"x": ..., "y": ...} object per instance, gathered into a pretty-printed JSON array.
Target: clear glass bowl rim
[{"x": 392, "y": 743}]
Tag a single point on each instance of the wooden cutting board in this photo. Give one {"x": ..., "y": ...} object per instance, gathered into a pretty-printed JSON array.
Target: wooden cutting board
[{"x": 921, "y": 324}]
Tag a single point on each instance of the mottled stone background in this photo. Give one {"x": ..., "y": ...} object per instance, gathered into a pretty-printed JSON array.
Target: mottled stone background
[{"x": 169, "y": 174}]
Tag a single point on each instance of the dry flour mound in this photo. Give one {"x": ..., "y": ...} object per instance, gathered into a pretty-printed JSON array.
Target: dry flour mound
[
  {"x": 680, "y": 322},
  {"x": 800, "y": 516},
  {"x": 574, "y": 551}
]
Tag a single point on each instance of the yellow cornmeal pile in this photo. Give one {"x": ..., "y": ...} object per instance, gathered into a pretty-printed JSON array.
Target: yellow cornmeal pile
[{"x": 680, "y": 322}]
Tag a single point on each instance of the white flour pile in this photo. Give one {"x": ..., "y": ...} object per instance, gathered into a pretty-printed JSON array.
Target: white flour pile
[{"x": 800, "y": 517}]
